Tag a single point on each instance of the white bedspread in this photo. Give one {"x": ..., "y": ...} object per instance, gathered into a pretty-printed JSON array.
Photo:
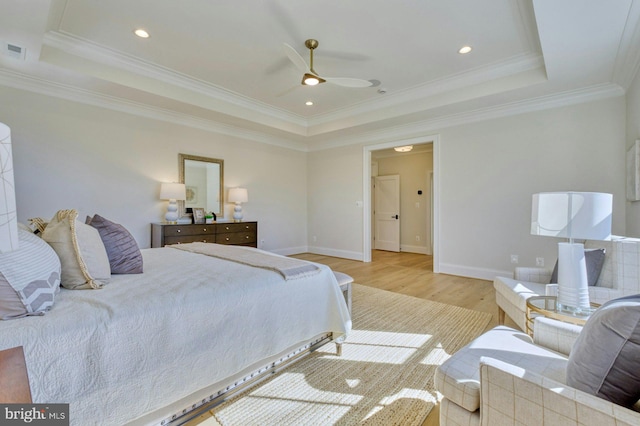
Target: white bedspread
[{"x": 147, "y": 340}]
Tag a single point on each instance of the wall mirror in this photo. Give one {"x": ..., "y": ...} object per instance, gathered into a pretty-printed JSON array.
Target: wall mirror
[{"x": 204, "y": 181}]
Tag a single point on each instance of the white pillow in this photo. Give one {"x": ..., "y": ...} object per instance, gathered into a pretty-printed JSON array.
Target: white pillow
[
  {"x": 29, "y": 278},
  {"x": 82, "y": 254}
]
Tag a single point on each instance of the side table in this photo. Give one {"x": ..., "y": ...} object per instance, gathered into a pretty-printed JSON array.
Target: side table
[
  {"x": 547, "y": 306},
  {"x": 14, "y": 381}
]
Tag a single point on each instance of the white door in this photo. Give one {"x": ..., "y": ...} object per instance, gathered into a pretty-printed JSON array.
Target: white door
[{"x": 387, "y": 213}]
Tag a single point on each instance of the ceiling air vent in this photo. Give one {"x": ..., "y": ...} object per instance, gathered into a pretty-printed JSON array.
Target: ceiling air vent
[{"x": 13, "y": 50}]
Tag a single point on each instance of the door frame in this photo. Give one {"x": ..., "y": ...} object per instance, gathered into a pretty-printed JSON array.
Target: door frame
[{"x": 366, "y": 179}]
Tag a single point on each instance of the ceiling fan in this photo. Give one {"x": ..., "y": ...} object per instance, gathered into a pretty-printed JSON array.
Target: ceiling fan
[{"x": 311, "y": 77}]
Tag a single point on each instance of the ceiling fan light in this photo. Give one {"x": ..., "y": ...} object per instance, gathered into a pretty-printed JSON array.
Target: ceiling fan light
[
  {"x": 405, "y": 148},
  {"x": 311, "y": 80}
]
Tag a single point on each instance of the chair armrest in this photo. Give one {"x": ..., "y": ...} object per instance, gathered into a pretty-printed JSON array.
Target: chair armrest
[
  {"x": 533, "y": 275},
  {"x": 511, "y": 395},
  {"x": 556, "y": 335}
]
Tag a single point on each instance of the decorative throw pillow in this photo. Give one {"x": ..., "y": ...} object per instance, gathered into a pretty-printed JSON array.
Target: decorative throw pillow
[
  {"x": 594, "y": 259},
  {"x": 604, "y": 360},
  {"x": 122, "y": 249},
  {"x": 82, "y": 254},
  {"x": 29, "y": 278}
]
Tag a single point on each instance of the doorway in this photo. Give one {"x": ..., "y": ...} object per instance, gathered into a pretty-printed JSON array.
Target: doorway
[{"x": 423, "y": 195}]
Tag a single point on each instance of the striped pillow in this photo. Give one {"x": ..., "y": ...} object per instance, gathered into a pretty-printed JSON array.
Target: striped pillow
[{"x": 29, "y": 278}]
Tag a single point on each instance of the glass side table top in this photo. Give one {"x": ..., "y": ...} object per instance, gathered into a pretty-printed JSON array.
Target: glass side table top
[{"x": 548, "y": 306}]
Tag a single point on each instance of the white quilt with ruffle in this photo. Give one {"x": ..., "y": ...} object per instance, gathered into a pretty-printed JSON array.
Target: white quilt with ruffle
[{"x": 147, "y": 340}]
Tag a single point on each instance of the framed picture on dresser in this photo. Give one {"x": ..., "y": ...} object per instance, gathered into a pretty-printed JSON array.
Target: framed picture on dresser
[{"x": 198, "y": 215}]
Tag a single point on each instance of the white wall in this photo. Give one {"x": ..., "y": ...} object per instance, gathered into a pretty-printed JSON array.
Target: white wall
[
  {"x": 488, "y": 172},
  {"x": 633, "y": 133},
  {"x": 68, "y": 155},
  {"x": 335, "y": 186}
]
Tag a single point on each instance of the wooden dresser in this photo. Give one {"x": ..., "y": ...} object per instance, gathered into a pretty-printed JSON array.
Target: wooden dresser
[{"x": 236, "y": 233}]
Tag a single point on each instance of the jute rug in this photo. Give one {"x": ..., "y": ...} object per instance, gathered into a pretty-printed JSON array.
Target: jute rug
[{"x": 384, "y": 376}]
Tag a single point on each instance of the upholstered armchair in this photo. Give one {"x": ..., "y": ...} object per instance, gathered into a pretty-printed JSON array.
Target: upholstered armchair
[
  {"x": 504, "y": 377},
  {"x": 620, "y": 276}
]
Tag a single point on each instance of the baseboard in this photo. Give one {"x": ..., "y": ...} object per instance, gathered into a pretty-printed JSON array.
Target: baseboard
[
  {"x": 353, "y": 255},
  {"x": 414, "y": 249},
  {"x": 471, "y": 272},
  {"x": 290, "y": 250}
]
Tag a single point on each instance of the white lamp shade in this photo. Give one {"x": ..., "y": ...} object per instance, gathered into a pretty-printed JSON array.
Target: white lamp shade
[
  {"x": 173, "y": 191},
  {"x": 581, "y": 215},
  {"x": 8, "y": 217},
  {"x": 238, "y": 195}
]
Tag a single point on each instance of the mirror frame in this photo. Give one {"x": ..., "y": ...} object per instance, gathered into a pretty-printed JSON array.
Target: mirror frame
[{"x": 181, "y": 160}]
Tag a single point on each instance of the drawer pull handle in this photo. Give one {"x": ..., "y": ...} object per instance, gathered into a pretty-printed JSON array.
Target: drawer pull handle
[
  {"x": 246, "y": 227},
  {"x": 247, "y": 237},
  {"x": 178, "y": 230},
  {"x": 204, "y": 241},
  {"x": 226, "y": 227},
  {"x": 227, "y": 238},
  {"x": 204, "y": 230}
]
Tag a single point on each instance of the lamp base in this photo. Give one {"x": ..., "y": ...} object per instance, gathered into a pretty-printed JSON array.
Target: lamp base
[
  {"x": 573, "y": 287},
  {"x": 237, "y": 213},
  {"x": 172, "y": 212}
]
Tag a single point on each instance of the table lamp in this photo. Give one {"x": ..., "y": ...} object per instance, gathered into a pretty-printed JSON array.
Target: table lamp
[
  {"x": 238, "y": 196},
  {"x": 172, "y": 192},
  {"x": 8, "y": 217},
  {"x": 572, "y": 215}
]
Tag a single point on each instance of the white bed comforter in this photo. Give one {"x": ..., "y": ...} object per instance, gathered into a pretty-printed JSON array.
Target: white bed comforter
[{"x": 145, "y": 341}]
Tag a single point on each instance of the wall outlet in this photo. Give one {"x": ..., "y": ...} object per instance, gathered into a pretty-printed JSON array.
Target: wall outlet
[
  {"x": 514, "y": 258},
  {"x": 539, "y": 261},
  {"x": 417, "y": 237}
]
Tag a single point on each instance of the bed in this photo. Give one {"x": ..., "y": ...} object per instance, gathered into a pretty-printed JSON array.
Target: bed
[{"x": 149, "y": 347}]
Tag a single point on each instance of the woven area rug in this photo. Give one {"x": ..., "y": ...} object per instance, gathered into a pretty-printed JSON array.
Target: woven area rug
[{"x": 384, "y": 376}]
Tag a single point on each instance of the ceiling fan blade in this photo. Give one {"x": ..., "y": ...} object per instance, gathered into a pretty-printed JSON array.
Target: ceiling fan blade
[
  {"x": 295, "y": 57},
  {"x": 348, "y": 82}
]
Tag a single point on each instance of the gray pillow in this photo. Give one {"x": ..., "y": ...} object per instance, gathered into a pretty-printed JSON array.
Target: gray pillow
[
  {"x": 604, "y": 360},
  {"x": 29, "y": 277},
  {"x": 122, "y": 249},
  {"x": 594, "y": 259}
]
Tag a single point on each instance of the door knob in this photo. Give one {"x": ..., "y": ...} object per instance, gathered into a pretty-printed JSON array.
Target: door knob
[{"x": 394, "y": 217}]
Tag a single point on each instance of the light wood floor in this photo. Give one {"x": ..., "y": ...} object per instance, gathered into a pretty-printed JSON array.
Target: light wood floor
[{"x": 412, "y": 274}]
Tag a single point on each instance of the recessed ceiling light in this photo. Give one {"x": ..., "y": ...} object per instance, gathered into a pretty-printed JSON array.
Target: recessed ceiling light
[
  {"x": 464, "y": 49},
  {"x": 308, "y": 103},
  {"x": 141, "y": 33}
]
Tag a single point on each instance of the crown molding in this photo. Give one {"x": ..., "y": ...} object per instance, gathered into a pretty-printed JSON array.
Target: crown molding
[
  {"x": 89, "y": 50},
  {"x": 514, "y": 65},
  {"x": 64, "y": 91},
  {"x": 556, "y": 100}
]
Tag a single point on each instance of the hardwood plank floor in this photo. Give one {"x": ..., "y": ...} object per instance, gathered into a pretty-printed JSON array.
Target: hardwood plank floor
[{"x": 412, "y": 274}]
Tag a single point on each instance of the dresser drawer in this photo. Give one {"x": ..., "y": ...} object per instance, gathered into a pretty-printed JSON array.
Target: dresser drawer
[
  {"x": 190, "y": 239},
  {"x": 225, "y": 228},
  {"x": 179, "y": 230},
  {"x": 236, "y": 238}
]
